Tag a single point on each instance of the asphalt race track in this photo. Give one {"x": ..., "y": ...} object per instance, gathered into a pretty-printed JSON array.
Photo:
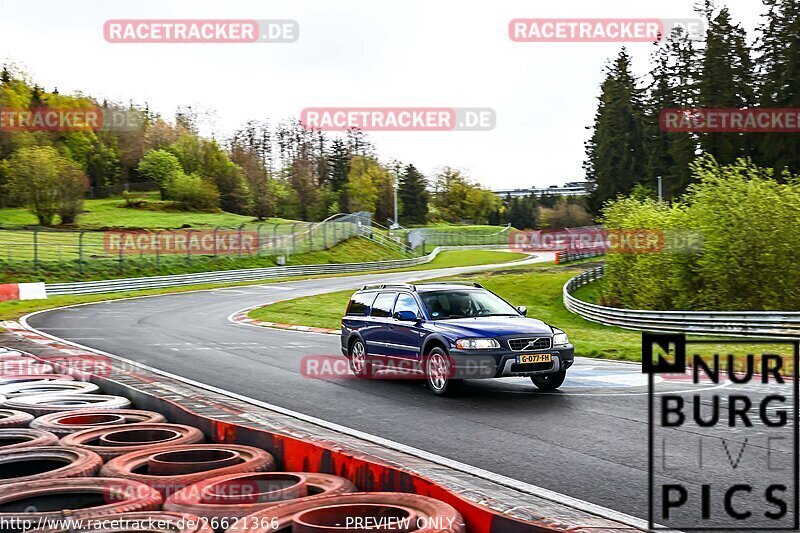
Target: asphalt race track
[{"x": 587, "y": 440}]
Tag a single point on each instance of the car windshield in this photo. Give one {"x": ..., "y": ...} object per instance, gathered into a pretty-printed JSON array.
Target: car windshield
[{"x": 468, "y": 303}]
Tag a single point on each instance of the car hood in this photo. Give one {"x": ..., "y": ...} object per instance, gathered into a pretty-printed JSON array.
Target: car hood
[{"x": 491, "y": 327}]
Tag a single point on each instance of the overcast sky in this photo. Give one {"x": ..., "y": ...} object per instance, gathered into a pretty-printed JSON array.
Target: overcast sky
[{"x": 356, "y": 53}]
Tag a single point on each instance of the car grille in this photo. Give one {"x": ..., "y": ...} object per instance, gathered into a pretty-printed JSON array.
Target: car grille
[
  {"x": 536, "y": 343},
  {"x": 531, "y": 367}
]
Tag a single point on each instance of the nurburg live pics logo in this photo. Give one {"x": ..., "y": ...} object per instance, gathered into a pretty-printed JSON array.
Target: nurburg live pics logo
[{"x": 722, "y": 433}]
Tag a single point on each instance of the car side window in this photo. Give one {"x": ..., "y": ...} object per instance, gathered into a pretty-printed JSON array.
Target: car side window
[
  {"x": 382, "y": 308},
  {"x": 406, "y": 302},
  {"x": 360, "y": 303},
  {"x": 438, "y": 304}
]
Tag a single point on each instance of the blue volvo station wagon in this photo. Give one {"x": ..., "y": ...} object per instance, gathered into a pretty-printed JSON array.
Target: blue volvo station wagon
[{"x": 448, "y": 332}]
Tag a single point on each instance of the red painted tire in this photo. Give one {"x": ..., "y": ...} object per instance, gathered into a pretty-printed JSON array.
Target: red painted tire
[
  {"x": 239, "y": 495},
  {"x": 73, "y": 421},
  {"x": 13, "y": 438},
  {"x": 112, "y": 441},
  {"x": 26, "y": 388},
  {"x": 171, "y": 468},
  {"x": 42, "y": 404},
  {"x": 77, "y": 498},
  {"x": 424, "y": 514},
  {"x": 9, "y": 418},
  {"x": 127, "y": 522},
  {"x": 22, "y": 378},
  {"x": 23, "y": 465}
]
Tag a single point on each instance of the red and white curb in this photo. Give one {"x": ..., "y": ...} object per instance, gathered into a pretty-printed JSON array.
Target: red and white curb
[
  {"x": 242, "y": 317},
  {"x": 22, "y": 291}
]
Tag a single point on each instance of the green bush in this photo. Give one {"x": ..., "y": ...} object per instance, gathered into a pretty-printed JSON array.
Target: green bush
[
  {"x": 748, "y": 225},
  {"x": 192, "y": 193}
]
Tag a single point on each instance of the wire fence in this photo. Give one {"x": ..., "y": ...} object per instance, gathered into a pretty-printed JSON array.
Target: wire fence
[
  {"x": 40, "y": 247},
  {"x": 454, "y": 236},
  {"x": 93, "y": 253}
]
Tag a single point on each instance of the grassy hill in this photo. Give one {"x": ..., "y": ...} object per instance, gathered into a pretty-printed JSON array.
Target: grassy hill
[{"x": 110, "y": 213}]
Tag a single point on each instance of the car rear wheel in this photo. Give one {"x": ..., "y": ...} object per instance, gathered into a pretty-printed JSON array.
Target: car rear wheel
[
  {"x": 359, "y": 363},
  {"x": 548, "y": 382},
  {"x": 439, "y": 373}
]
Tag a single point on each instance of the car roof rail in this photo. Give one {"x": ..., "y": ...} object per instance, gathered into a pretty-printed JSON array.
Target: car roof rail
[
  {"x": 390, "y": 286},
  {"x": 470, "y": 283}
]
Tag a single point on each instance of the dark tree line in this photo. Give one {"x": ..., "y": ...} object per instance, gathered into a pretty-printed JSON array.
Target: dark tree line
[{"x": 725, "y": 70}]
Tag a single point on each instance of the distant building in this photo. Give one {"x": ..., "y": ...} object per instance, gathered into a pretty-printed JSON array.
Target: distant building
[{"x": 571, "y": 188}]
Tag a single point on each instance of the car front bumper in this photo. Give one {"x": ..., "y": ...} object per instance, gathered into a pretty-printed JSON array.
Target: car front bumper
[{"x": 483, "y": 364}]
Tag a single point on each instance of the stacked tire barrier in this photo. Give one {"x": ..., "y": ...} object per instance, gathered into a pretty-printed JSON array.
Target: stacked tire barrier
[{"x": 74, "y": 459}]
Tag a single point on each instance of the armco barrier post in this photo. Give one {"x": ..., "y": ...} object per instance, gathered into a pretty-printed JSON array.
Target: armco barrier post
[
  {"x": 158, "y": 248},
  {"x": 36, "y": 248},
  {"x": 240, "y": 239},
  {"x": 80, "y": 252},
  {"x": 119, "y": 255},
  {"x": 216, "y": 229}
]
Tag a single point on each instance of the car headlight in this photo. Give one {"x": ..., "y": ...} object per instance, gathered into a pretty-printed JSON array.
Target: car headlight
[
  {"x": 560, "y": 339},
  {"x": 476, "y": 344}
]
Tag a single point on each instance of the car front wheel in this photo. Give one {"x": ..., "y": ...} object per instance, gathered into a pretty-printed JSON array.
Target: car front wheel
[
  {"x": 439, "y": 373},
  {"x": 548, "y": 382}
]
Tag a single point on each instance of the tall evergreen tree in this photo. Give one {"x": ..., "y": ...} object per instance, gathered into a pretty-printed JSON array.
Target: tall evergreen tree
[
  {"x": 726, "y": 81},
  {"x": 413, "y": 195},
  {"x": 338, "y": 164},
  {"x": 673, "y": 84},
  {"x": 779, "y": 57},
  {"x": 615, "y": 153}
]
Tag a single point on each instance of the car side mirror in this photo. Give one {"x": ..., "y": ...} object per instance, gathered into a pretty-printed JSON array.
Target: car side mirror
[
  {"x": 406, "y": 316},
  {"x": 522, "y": 310}
]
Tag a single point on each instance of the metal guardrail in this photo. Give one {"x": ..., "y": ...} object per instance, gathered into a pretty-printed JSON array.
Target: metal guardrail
[
  {"x": 250, "y": 274},
  {"x": 775, "y": 324},
  {"x": 565, "y": 256}
]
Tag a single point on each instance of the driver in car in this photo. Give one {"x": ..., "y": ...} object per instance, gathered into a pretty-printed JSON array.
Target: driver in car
[{"x": 462, "y": 305}]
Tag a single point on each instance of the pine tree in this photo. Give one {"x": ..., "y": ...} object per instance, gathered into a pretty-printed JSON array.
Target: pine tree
[
  {"x": 674, "y": 79},
  {"x": 413, "y": 195},
  {"x": 726, "y": 81},
  {"x": 779, "y": 58},
  {"x": 615, "y": 153}
]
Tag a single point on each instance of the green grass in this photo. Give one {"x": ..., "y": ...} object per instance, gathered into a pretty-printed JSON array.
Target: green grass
[
  {"x": 538, "y": 287},
  {"x": 320, "y": 311},
  {"x": 108, "y": 213},
  {"x": 591, "y": 293}
]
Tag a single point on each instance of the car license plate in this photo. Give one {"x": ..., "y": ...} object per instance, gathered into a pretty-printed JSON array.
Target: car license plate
[{"x": 534, "y": 358}]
